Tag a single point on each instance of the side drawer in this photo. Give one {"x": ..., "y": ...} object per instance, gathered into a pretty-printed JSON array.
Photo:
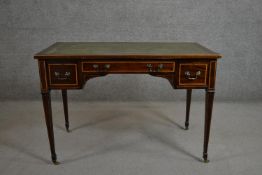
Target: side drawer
[
  {"x": 62, "y": 74},
  {"x": 192, "y": 74},
  {"x": 128, "y": 67}
]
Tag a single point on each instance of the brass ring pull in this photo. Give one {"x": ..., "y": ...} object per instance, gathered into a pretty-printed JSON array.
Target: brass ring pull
[{"x": 188, "y": 75}]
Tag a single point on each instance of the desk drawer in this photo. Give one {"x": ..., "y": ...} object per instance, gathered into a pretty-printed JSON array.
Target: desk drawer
[
  {"x": 192, "y": 74},
  {"x": 128, "y": 67},
  {"x": 63, "y": 74}
]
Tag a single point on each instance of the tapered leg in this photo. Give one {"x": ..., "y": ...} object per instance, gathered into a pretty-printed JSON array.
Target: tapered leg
[
  {"x": 64, "y": 95},
  {"x": 49, "y": 124},
  {"x": 188, "y": 103},
  {"x": 208, "y": 115}
]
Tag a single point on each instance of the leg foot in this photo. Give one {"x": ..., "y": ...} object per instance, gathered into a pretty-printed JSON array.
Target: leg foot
[
  {"x": 54, "y": 159},
  {"x": 55, "y": 162},
  {"x": 205, "y": 160}
]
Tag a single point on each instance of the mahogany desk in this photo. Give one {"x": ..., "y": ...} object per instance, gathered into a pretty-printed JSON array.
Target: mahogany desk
[{"x": 68, "y": 65}]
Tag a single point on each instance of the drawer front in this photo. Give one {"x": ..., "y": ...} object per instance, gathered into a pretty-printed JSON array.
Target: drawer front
[
  {"x": 192, "y": 74},
  {"x": 128, "y": 67},
  {"x": 63, "y": 74}
]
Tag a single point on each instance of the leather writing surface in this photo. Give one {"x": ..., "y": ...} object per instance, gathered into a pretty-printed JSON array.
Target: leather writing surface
[{"x": 127, "y": 49}]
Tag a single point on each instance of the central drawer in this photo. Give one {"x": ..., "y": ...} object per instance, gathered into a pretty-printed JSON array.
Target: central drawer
[{"x": 128, "y": 67}]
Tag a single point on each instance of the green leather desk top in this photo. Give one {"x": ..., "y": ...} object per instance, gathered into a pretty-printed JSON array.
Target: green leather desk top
[{"x": 125, "y": 50}]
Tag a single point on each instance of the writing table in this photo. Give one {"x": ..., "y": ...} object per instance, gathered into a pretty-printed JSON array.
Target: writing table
[{"x": 68, "y": 65}]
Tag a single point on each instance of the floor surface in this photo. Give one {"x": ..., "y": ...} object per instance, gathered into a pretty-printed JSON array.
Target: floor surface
[{"x": 145, "y": 138}]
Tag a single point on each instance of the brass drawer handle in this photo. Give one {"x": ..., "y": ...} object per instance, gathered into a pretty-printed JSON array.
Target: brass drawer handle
[
  {"x": 57, "y": 74},
  {"x": 188, "y": 75},
  {"x": 107, "y": 66},
  {"x": 67, "y": 74},
  {"x": 149, "y": 67},
  {"x": 156, "y": 69},
  {"x": 95, "y": 66},
  {"x": 60, "y": 76}
]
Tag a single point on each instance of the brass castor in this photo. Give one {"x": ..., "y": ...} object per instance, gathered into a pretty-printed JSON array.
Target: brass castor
[
  {"x": 186, "y": 125},
  {"x": 205, "y": 160},
  {"x": 55, "y": 162},
  {"x": 54, "y": 159}
]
